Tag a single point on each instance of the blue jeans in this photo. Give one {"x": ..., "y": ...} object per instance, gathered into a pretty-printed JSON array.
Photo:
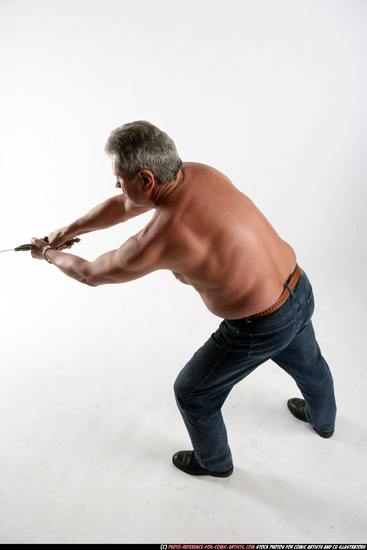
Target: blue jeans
[{"x": 234, "y": 351}]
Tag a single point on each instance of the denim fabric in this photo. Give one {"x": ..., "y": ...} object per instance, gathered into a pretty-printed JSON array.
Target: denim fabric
[{"x": 234, "y": 351}]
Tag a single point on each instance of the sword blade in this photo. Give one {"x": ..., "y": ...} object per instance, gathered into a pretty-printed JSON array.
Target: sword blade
[
  {"x": 21, "y": 247},
  {"x": 30, "y": 246}
]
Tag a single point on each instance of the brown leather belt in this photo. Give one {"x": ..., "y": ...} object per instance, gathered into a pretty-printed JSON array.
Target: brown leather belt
[{"x": 290, "y": 284}]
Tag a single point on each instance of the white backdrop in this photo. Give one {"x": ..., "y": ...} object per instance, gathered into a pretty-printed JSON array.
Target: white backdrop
[{"x": 272, "y": 93}]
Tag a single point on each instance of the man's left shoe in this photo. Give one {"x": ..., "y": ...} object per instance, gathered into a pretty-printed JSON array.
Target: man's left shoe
[
  {"x": 185, "y": 461},
  {"x": 297, "y": 408}
]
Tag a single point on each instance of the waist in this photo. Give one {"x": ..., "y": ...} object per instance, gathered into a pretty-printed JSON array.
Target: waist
[{"x": 289, "y": 285}]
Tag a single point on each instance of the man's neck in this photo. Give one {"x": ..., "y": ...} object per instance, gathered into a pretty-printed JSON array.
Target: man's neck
[{"x": 168, "y": 188}]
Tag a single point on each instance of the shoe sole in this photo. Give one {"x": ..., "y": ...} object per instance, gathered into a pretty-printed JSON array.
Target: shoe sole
[
  {"x": 203, "y": 472},
  {"x": 227, "y": 473}
]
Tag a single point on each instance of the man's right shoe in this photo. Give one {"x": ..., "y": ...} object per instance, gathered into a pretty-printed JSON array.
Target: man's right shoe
[
  {"x": 297, "y": 408},
  {"x": 185, "y": 461}
]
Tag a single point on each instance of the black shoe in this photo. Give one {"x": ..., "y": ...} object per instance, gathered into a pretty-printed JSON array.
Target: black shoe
[
  {"x": 185, "y": 461},
  {"x": 297, "y": 408},
  {"x": 325, "y": 435}
]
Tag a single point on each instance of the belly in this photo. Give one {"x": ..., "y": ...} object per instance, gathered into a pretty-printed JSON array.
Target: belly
[
  {"x": 231, "y": 298},
  {"x": 226, "y": 309}
]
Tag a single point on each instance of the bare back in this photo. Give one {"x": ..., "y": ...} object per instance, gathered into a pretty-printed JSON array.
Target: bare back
[{"x": 214, "y": 238}]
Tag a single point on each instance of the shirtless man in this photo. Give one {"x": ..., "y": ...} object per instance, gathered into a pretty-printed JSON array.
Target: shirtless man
[{"x": 212, "y": 237}]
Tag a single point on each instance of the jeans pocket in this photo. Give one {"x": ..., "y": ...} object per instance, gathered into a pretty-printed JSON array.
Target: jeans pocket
[
  {"x": 264, "y": 345},
  {"x": 226, "y": 335}
]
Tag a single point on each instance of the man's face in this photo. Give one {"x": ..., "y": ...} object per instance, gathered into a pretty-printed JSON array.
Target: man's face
[
  {"x": 117, "y": 173},
  {"x": 127, "y": 186}
]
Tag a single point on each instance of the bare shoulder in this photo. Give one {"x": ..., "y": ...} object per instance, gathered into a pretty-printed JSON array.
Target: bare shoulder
[
  {"x": 191, "y": 223},
  {"x": 197, "y": 169}
]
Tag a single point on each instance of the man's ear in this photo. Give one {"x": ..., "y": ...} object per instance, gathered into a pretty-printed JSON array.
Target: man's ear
[{"x": 147, "y": 180}]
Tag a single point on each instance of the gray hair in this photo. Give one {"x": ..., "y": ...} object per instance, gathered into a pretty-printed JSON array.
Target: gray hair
[{"x": 141, "y": 145}]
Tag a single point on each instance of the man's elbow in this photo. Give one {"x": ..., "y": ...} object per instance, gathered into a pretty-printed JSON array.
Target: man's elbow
[{"x": 86, "y": 276}]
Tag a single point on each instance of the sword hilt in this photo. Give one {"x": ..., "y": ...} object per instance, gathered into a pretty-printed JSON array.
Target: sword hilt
[{"x": 31, "y": 246}]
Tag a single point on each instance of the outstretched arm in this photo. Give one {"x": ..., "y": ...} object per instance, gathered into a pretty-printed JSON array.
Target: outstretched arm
[
  {"x": 115, "y": 210},
  {"x": 131, "y": 261}
]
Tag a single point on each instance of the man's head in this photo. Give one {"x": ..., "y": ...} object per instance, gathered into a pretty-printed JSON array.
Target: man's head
[{"x": 141, "y": 145}]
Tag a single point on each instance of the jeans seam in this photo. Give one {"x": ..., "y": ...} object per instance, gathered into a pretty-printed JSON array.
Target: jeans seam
[{"x": 204, "y": 378}]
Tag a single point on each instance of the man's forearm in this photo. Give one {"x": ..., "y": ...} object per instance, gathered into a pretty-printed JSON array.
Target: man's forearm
[
  {"x": 102, "y": 216},
  {"x": 110, "y": 212},
  {"x": 70, "y": 265}
]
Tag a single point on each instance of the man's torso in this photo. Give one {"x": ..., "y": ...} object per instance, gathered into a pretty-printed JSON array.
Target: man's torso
[{"x": 212, "y": 237}]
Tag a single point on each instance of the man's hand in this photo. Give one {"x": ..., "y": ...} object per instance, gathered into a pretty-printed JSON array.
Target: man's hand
[
  {"x": 58, "y": 239},
  {"x": 38, "y": 247}
]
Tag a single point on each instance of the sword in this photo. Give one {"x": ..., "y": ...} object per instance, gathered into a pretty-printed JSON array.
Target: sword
[{"x": 30, "y": 246}]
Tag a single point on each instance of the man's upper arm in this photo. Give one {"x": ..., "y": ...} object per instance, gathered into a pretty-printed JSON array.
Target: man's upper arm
[{"x": 131, "y": 211}]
